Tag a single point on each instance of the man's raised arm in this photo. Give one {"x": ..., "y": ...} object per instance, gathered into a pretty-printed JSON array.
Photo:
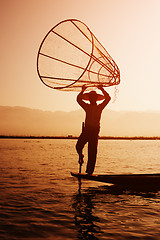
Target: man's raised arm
[
  {"x": 106, "y": 96},
  {"x": 80, "y": 96}
]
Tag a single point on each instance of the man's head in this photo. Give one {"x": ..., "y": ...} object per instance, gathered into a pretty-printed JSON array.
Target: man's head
[{"x": 92, "y": 97}]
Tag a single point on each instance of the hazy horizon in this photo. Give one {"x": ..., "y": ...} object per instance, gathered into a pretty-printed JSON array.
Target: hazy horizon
[{"x": 27, "y": 121}]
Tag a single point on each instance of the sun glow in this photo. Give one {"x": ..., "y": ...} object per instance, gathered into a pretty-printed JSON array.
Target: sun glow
[{"x": 128, "y": 31}]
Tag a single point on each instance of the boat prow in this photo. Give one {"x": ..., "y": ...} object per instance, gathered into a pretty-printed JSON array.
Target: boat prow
[{"x": 124, "y": 179}]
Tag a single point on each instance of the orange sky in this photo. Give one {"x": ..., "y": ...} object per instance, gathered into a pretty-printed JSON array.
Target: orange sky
[{"x": 128, "y": 29}]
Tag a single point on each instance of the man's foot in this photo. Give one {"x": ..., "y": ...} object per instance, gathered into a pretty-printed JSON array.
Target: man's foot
[
  {"x": 81, "y": 159},
  {"x": 88, "y": 173}
]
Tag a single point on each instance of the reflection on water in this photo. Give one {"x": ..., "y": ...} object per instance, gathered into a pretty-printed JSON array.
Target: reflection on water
[
  {"x": 117, "y": 213},
  {"x": 41, "y": 200},
  {"x": 85, "y": 220}
]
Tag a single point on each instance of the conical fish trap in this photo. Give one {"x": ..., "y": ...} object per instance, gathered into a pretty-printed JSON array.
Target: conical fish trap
[{"x": 71, "y": 56}]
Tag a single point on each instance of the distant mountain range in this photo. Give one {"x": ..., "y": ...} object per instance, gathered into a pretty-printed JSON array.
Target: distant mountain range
[{"x": 25, "y": 121}]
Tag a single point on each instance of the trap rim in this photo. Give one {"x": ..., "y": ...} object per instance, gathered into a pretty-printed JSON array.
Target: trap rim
[{"x": 38, "y": 54}]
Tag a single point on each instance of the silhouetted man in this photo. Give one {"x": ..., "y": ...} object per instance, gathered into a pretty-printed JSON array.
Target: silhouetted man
[{"x": 91, "y": 127}]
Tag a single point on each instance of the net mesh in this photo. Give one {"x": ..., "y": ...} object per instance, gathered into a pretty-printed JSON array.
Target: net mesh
[{"x": 71, "y": 56}]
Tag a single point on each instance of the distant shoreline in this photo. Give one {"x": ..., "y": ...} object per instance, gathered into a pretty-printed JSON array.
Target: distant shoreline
[{"x": 75, "y": 137}]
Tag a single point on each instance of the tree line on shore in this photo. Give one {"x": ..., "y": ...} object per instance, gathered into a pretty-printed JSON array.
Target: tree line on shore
[{"x": 75, "y": 137}]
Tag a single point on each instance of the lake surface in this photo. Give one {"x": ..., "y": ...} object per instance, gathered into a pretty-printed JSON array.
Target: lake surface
[{"x": 39, "y": 198}]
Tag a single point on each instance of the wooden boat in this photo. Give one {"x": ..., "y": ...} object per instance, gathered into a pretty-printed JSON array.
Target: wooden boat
[{"x": 147, "y": 180}]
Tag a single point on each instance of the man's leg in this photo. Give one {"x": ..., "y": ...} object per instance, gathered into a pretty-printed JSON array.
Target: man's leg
[
  {"x": 92, "y": 152},
  {"x": 82, "y": 140}
]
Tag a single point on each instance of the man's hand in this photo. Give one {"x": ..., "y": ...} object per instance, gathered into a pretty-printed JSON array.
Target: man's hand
[
  {"x": 100, "y": 87},
  {"x": 84, "y": 87}
]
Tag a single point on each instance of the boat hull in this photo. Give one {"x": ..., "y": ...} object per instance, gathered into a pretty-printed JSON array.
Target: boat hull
[{"x": 124, "y": 179}]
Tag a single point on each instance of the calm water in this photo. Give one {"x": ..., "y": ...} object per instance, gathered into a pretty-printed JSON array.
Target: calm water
[{"x": 40, "y": 200}]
